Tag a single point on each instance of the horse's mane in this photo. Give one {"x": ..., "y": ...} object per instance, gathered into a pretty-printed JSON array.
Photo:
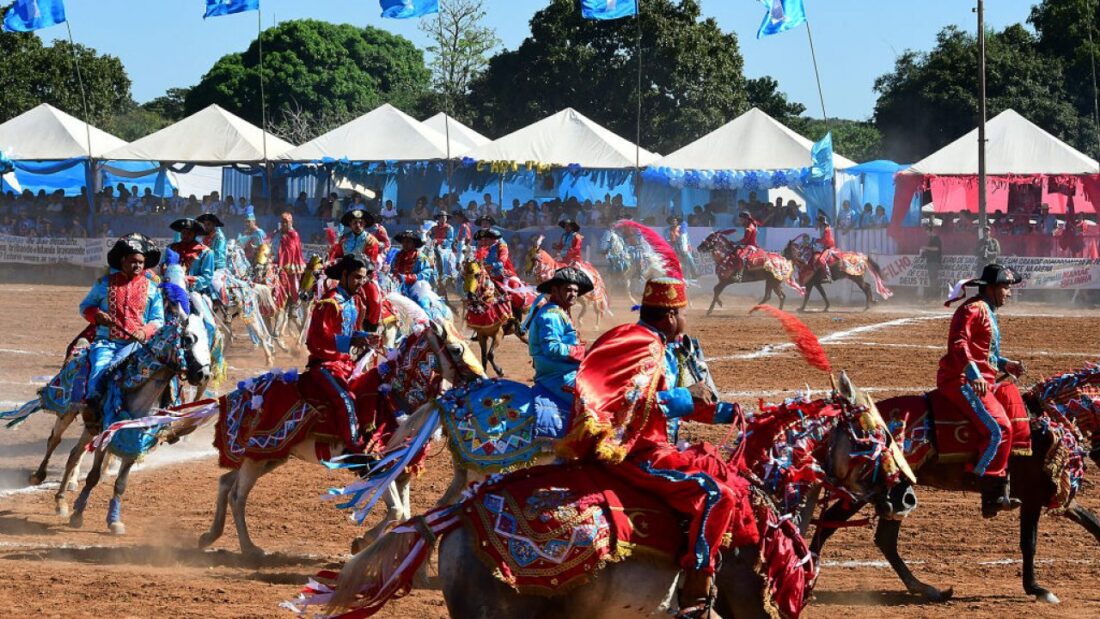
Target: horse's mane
[
  {"x": 655, "y": 248},
  {"x": 408, "y": 311},
  {"x": 1057, "y": 390}
]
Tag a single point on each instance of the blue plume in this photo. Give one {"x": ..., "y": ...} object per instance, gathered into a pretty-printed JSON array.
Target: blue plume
[
  {"x": 175, "y": 293},
  {"x": 249, "y": 212},
  {"x": 171, "y": 257}
]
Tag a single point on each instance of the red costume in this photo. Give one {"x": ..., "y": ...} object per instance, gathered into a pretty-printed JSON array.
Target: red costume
[
  {"x": 335, "y": 319},
  {"x": 291, "y": 263},
  {"x": 828, "y": 245},
  {"x": 189, "y": 251},
  {"x": 749, "y": 239},
  {"x": 378, "y": 231},
  {"x": 973, "y": 351},
  {"x": 625, "y": 397},
  {"x": 573, "y": 249}
]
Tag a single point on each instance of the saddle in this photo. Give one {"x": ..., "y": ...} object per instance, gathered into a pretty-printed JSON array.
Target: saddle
[{"x": 930, "y": 427}]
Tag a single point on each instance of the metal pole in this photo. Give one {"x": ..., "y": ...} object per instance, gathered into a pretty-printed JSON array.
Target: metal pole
[
  {"x": 448, "y": 110},
  {"x": 824, "y": 115},
  {"x": 983, "y": 218},
  {"x": 263, "y": 107},
  {"x": 638, "y": 127},
  {"x": 90, "y": 177}
]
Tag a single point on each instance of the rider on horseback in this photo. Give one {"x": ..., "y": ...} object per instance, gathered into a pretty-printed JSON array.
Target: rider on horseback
[
  {"x": 253, "y": 237},
  {"x": 125, "y": 305},
  {"x": 626, "y": 393},
  {"x": 569, "y": 248},
  {"x": 493, "y": 253},
  {"x": 746, "y": 246},
  {"x": 287, "y": 247},
  {"x": 215, "y": 239},
  {"x": 197, "y": 259},
  {"x": 334, "y": 328},
  {"x": 827, "y": 244},
  {"x": 678, "y": 239},
  {"x": 967, "y": 377},
  {"x": 357, "y": 241},
  {"x": 443, "y": 235},
  {"x": 409, "y": 265},
  {"x": 464, "y": 234},
  {"x": 555, "y": 347}
]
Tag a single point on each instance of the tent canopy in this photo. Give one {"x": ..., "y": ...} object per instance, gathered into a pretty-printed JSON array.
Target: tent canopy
[
  {"x": 383, "y": 134},
  {"x": 463, "y": 138},
  {"x": 212, "y": 136},
  {"x": 752, "y": 141},
  {"x": 45, "y": 133},
  {"x": 1014, "y": 145},
  {"x": 564, "y": 139}
]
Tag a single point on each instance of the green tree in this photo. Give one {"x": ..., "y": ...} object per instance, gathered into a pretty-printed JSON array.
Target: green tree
[
  {"x": 172, "y": 105},
  {"x": 328, "y": 70},
  {"x": 38, "y": 73},
  {"x": 931, "y": 98},
  {"x": 459, "y": 51},
  {"x": 1064, "y": 29},
  {"x": 692, "y": 80},
  {"x": 764, "y": 93},
  {"x": 857, "y": 140}
]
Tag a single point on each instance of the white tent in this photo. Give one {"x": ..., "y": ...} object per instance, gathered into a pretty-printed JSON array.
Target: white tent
[
  {"x": 383, "y": 134},
  {"x": 45, "y": 133},
  {"x": 212, "y": 136},
  {"x": 1014, "y": 145},
  {"x": 752, "y": 141},
  {"x": 563, "y": 139},
  {"x": 463, "y": 138}
]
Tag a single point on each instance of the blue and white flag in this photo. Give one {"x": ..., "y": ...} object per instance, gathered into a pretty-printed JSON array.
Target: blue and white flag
[
  {"x": 782, "y": 15},
  {"x": 217, "y": 8},
  {"x": 608, "y": 9},
  {"x": 31, "y": 15},
  {"x": 407, "y": 9},
  {"x": 821, "y": 158}
]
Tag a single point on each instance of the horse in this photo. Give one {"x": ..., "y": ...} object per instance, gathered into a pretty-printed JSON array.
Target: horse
[
  {"x": 772, "y": 268},
  {"x": 848, "y": 265},
  {"x": 138, "y": 384},
  {"x": 244, "y": 298},
  {"x": 294, "y": 309},
  {"x": 444, "y": 260},
  {"x": 488, "y": 312},
  {"x": 629, "y": 585},
  {"x": 1063, "y": 412},
  {"x": 618, "y": 255},
  {"x": 541, "y": 266},
  {"x": 434, "y": 356}
]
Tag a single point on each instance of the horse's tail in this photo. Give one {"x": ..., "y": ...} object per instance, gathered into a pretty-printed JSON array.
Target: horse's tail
[
  {"x": 382, "y": 572},
  {"x": 404, "y": 447},
  {"x": 880, "y": 286},
  {"x": 15, "y": 417},
  {"x": 182, "y": 420},
  {"x": 266, "y": 299}
]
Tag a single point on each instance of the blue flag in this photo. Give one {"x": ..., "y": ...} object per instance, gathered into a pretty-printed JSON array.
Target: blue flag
[
  {"x": 406, "y": 9},
  {"x": 782, "y": 15},
  {"x": 217, "y": 8},
  {"x": 30, "y": 15},
  {"x": 821, "y": 158},
  {"x": 608, "y": 9}
]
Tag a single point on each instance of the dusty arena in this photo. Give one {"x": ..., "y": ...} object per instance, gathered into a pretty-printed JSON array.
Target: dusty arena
[{"x": 156, "y": 570}]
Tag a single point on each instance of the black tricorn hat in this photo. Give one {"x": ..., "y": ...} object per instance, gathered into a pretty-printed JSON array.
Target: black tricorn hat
[
  {"x": 995, "y": 274},
  {"x": 357, "y": 214},
  {"x": 409, "y": 235},
  {"x": 487, "y": 233},
  {"x": 212, "y": 218},
  {"x": 569, "y": 222},
  {"x": 187, "y": 223},
  {"x": 133, "y": 243},
  {"x": 671, "y": 217},
  {"x": 568, "y": 275},
  {"x": 347, "y": 262},
  {"x": 486, "y": 219}
]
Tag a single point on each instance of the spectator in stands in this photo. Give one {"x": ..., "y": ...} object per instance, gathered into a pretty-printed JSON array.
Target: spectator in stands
[
  {"x": 215, "y": 206},
  {"x": 192, "y": 208},
  {"x": 420, "y": 212},
  {"x": 933, "y": 260},
  {"x": 1047, "y": 223},
  {"x": 45, "y": 228},
  {"x": 389, "y": 214},
  {"x": 176, "y": 203},
  {"x": 301, "y": 205},
  {"x": 989, "y": 248},
  {"x": 880, "y": 220},
  {"x": 7, "y": 225},
  {"x": 791, "y": 218},
  {"x": 845, "y": 219},
  {"x": 105, "y": 231},
  {"x": 487, "y": 206},
  {"x": 76, "y": 229}
]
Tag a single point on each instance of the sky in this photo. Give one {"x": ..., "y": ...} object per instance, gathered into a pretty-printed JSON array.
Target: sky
[{"x": 166, "y": 43}]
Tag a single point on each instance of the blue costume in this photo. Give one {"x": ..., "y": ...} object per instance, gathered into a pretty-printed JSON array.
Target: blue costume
[
  {"x": 134, "y": 304},
  {"x": 217, "y": 244},
  {"x": 251, "y": 242},
  {"x": 198, "y": 260},
  {"x": 410, "y": 266},
  {"x": 556, "y": 352},
  {"x": 354, "y": 244},
  {"x": 676, "y": 402}
]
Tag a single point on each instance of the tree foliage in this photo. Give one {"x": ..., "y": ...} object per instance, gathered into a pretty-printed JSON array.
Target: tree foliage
[
  {"x": 692, "y": 79},
  {"x": 36, "y": 73},
  {"x": 328, "y": 70},
  {"x": 459, "y": 51},
  {"x": 764, "y": 93},
  {"x": 172, "y": 105},
  {"x": 858, "y": 140},
  {"x": 930, "y": 99}
]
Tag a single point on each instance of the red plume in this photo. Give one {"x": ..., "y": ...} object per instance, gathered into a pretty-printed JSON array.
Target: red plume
[
  {"x": 659, "y": 245},
  {"x": 330, "y": 235},
  {"x": 802, "y": 337}
]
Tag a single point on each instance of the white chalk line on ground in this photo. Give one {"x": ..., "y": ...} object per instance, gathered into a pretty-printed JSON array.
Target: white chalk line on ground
[
  {"x": 834, "y": 337},
  {"x": 20, "y": 351},
  {"x": 881, "y": 564},
  {"x": 769, "y": 393},
  {"x": 1038, "y": 353}
]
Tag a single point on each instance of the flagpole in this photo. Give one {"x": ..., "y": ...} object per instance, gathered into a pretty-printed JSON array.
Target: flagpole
[
  {"x": 448, "y": 110},
  {"x": 263, "y": 105},
  {"x": 983, "y": 217},
  {"x": 638, "y": 126},
  {"x": 824, "y": 114},
  {"x": 90, "y": 177}
]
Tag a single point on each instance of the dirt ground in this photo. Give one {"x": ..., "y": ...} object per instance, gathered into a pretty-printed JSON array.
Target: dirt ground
[{"x": 155, "y": 570}]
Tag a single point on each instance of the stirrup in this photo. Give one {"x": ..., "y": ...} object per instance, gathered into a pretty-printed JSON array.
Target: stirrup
[{"x": 702, "y": 608}]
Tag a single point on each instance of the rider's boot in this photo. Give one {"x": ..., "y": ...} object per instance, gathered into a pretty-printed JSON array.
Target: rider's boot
[
  {"x": 995, "y": 496},
  {"x": 696, "y": 597}
]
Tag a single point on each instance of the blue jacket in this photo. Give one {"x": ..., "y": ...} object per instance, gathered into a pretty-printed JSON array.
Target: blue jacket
[
  {"x": 554, "y": 346},
  {"x": 153, "y": 315},
  {"x": 217, "y": 244}
]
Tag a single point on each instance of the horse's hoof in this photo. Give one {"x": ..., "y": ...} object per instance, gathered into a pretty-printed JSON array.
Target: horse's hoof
[
  {"x": 933, "y": 594},
  {"x": 62, "y": 509},
  {"x": 253, "y": 553},
  {"x": 71, "y": 486},
  {"x": 1048, "y": 597},
  {"x": 76, "y": 521},
  {"x": 358, "y": 544},
  {"x": 206, "y": 540},
  {"x": 117, "y": 528},
  {"x": 36, "y": 479}
]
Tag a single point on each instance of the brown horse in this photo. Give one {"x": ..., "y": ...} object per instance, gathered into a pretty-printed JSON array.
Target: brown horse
[
  {"x": 1063, "y": 411},
  {"x": 771, "y": 268},
  {"x": 848, "y": 265},
  {"x": 488, "y": 312},
  {"x": 541, "y": 266}
]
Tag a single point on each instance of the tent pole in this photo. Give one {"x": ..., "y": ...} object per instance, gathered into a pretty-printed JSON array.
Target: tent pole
[
  {"x": 983, "y": 217},
  {"x": 824, "y": 115},
  {"x": 638, "y": 127},
  {"x": 263, "y": 106}
]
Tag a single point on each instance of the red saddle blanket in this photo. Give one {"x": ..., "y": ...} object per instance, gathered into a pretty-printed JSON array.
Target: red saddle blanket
[
  {"x": 930, "y": 426},
  {"x": 266, "y": 417}
]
